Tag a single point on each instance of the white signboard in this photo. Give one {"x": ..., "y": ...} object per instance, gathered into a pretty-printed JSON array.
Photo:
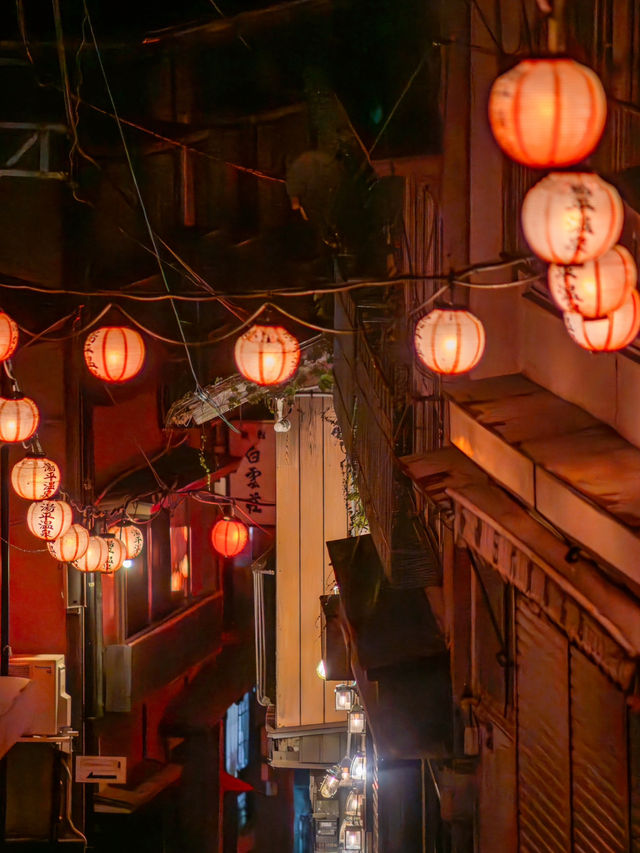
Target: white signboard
[
  {"x": 101, "y": 768},
  {"x": 254, "y": 483}
]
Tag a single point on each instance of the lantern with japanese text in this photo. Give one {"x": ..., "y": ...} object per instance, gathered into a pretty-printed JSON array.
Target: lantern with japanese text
[
  {"x": 548, "y": 113},
  {"x": 94, "y": 557},
  {"x": 8, "y": 336},
  {"x": 130, "y": 536},
  {"x": 229, "y": 536},
  {"x": 610, "y": 333},
  {"x": 35, "y": 478},
  {"x": 71, "y": 546},
  {"x": 114, "y": 353},
  {"x": 449, "y": 340},
  {"x": 49, "y": 520},
  {"x": 596, "y": 288},
  {"x": 19, "y": 418},
  {"x": 116, "y": 554},
  {"x": 571, "y": 217},
  {"x": 267, "y": 355}
]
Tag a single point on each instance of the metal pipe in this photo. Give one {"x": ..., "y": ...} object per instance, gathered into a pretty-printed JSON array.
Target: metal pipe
[{"x": 5, "y": 650}]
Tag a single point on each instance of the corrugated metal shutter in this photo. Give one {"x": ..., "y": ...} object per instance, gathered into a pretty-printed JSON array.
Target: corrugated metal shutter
[
  {"x": 543, "y": 734},
  {"x": 599, "y": 753}
]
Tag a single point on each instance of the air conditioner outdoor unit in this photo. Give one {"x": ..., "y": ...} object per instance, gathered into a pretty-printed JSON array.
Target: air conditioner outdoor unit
[{"x": 53, "y": 703}]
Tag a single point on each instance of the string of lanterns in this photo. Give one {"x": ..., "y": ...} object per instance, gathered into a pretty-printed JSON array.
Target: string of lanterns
[
  {"x": 114, "y": 354},
  {"x": 352, "y": 770},
  {"x": 550, "y": 114}
]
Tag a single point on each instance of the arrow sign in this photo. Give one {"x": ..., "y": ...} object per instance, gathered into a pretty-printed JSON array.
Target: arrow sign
[{"x": 101, "y": 768}]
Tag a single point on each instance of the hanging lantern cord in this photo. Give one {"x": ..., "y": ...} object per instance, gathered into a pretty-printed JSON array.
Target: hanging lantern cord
[
  {"x": 34, "y": 447},
  {"x": 15, "y": 387}
]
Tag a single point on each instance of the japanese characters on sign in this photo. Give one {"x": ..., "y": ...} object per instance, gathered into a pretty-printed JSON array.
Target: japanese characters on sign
[{"x": 253, "y": 484}]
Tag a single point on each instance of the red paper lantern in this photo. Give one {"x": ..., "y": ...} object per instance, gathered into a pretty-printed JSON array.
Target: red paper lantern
[
  {"x": 548, "y": 113},
  {"x": 8, "y": 336},
  {"x": 267, "y": 355},
  {"x": 114, "y": 353},
  {"x": 229, "y": 536},
  {"x": 49, "y": 520},
  {"x": 596, "y": 288},
  {"x": 71, "y": 545},
  {"x": 130, "y": 536},
  {"x": 450, "y": 341},
  {"x": 571, "y": 217},
  {"x": 94, "y": 557},
  {"x": 35, "y": 478},
  {"x": 19, "y": 418},
  {"x": 610, "y": 333}
]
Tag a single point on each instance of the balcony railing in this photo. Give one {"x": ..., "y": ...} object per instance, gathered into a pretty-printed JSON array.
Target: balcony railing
[{"x": 374, "y": 404}]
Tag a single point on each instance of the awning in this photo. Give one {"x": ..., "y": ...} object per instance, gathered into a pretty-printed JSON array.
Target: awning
[
  {"x": 126, "y": 799},
  {"x": 220, "y": 683},
  {"x": 17, "y": 708},
  {"x": 600, "y": 617},
  {"x": 575, "y": 470},
  {"x": 398, "y": 655}
]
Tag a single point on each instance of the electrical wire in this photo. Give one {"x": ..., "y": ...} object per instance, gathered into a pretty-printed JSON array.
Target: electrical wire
[
  {"x": 145, "y": 214},
  {"x": 400, "y": 99},
  {"x": 176, "y": 144}
]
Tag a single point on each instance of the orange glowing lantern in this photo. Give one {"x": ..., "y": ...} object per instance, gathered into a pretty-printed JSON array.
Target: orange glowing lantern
[
  {"x": 548, "y": 113},
  {"x": 267, "y": 355},
  {"x": 19, "y": 418},
  {"x": 8, "y": 336},
  {"x": 114, "y": 353},
  {"x": 49, "y": 520},
  {"x": 450, "y": 340},
  {"x": 71, "y": 546},
  {"x": 610, "y": 333},
  {"x": 35, "y": 478},
  {"x": 116, "y": 554},
  {"x": 229, "y": 536},
  {"x": 94, "y": 557},
  {"x": 571, "y": 217},
  {"x": 131, "y": 537},
  {"x": 596, "y": 288}
]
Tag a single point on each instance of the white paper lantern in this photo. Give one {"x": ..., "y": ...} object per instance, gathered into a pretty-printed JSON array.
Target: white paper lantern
[
  {"x": 19, "y": 418},
  {"x": 548, "y": 113},
  {"x": 596, "y": 288},
  {"x": 607, "y": 334},
  {"x": 94, "y": 557},
  {"x": 115, "y": 557},
  {"x": 450, "y": 340},
  {"x": 114, "y": 353},
  {"x": 35, "y": 478},
  {"x": 8, "y": 336},
  {"x": 571, "y": 217},
  {"x": 71, "y": 545},
  {"x": 267, "y": 355},
  {"x": 49, "y": 520},
  {"x": 131, "y": 537}
]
